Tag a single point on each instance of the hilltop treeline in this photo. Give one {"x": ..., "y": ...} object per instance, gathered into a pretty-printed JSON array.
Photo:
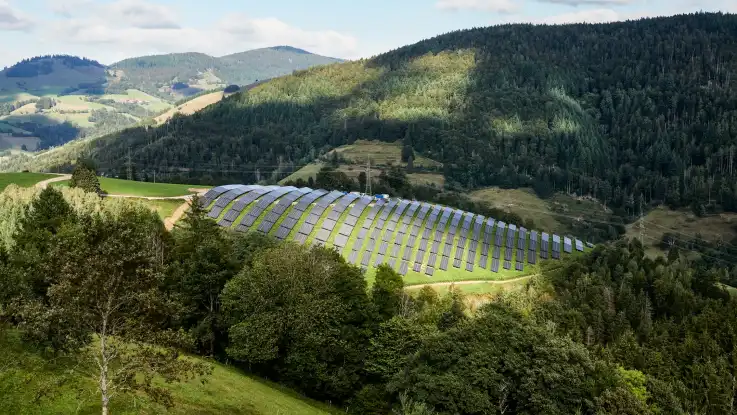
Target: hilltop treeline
[
  {"x": 634, "y": 113},
  {"x": 611, "y": 332},
  {"x": 44, "y": 65}
]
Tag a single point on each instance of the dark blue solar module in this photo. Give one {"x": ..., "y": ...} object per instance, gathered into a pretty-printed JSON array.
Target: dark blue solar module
[
  {"x": 469, "y": 267},
  {"x": 374, "y": 211},
  {"x": 579, "y": 245},
  {"x": 477, "y": 227},
  {"x": 392, "y": 262},
  {"x": 322, "y": 235},
  {"x": 410, "y": 212},
  {"x": 235, "y": 210},
  {"x": 305, "y": 202},
  {"x": 511, "y": 230},
  {"x": 379, "y": 260},
  {"x": 213, "y": 193},
  {"x": 407, "y": 254},
  {"x": 508, "y": 253},
  {"x": 359, "y": 206},
  {"x": 531, "y": 257},
  {"x": 366, "y": 258},
  {"x": 456, "y": 263},
  {"x": 556, "y": 244},
  {"x": 444, "y": 263},
  {"x": 567, "y": 245},
  {"x": 483, "y": 259},
  {"x": 353, "y": 257},
  {"x": 533, "y": 240},
  {"x": 387, "y": 210},
  {"x": 473, "y": 245},
  {"x": 556, "y": 255},
  {"x": 382, "y": 248},
  {"x": 429, "y": 271},
  {"x": 340, "y": 241},
  {"x": 495, "y": 265},
  {"x": 403, "y": 268},
  {"x": 228, "y": 197},
  {"x": 488, "y": 231},
  {"x": 507, "y": 265},
  {"x": 522, "y": 238},
  {"x": 432, "y": 259},
  {"x": 459, "y": 253},
  {"x": 399, "y": 237},
  {"x": 315, "y": 213},
  {"x": 519, "y": 266},
  {"x": 499, "y": 233},
  {"x": 467, "y": 219},
  {"x": 447, "y": 248},
  {"x": 264, "y": 203},
  {"x": 395, "y": 249},
  {"x": 350, "y": 221},
  {"x": 417, "y": 267},
  {"x": 496, "y": 253},
  {"x": 520, "y": 255},
  {"x": 435, "y": 246},
  {"x": 391, "y": 227},
  {"x": 418, "y": 257},
  {"x": 401, "y": 207},
  {"x": 244, "y": 201},
  {"x": 545, "y": 243}
]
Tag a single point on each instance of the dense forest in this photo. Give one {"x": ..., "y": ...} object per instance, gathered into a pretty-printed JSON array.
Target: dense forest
[
  {"x": 43, "y": 65},
  {"x": 609, "y": 332},
  {"x": 633, "y": 113}
]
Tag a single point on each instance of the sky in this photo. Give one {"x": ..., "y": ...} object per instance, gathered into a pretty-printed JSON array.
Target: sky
[{"x": 111, "y": 30}]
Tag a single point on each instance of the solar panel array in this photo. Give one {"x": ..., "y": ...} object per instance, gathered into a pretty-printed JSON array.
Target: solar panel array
[{"x": 401, "y": 233}]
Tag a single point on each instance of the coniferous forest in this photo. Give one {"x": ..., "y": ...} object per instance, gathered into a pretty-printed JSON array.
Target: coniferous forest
[
  {"x": 633, "y": 113},
  {"x": 105, "y": 287}
]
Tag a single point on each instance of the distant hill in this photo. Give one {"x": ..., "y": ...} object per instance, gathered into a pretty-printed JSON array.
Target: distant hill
[
  {"x": 49, "y": 100},
  {"x": 620, "y": 112},
  {"x": 180, "y": 74}
]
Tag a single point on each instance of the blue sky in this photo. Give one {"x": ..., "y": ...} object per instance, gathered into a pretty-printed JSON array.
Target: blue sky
[{"x": 110, "y": 30}]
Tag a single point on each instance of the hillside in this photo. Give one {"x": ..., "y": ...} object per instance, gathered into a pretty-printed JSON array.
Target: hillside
[
  {"x": 47, "y": 101},
  {"x": 620, "y": 112}
]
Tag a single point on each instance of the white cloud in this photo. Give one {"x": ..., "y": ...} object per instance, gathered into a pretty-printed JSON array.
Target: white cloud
[
  {"x": 589, "y": 2},
  {"x": 501, "y": 6},
  {"x": 13, "y": 19},
  {"x": 128, "y": 28}
]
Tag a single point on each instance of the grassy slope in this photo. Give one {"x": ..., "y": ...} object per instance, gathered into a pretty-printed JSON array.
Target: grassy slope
[
  {"x": 143, "y": 189},
  {"x": 22, "y": 179},
  {"x": 25, "y": 374},
  {"x": 190, "y": 107},
  {"x": 382, "y": 155}
]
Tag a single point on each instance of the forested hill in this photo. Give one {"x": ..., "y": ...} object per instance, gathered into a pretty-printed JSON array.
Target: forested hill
[{"x": 632, "y": 112}]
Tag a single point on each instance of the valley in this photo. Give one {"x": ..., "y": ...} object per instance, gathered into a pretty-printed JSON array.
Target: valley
[{"x": 519, "y": 218}]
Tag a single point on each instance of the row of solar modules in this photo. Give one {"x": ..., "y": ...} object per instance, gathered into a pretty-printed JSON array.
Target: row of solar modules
[{"x": 384, "y": 227}]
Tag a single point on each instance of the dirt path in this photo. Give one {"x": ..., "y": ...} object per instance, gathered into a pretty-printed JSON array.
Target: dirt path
[
  {"x": 443, "y": 284},
  {"x": 181, "y": 210},
  {"x": 60, "y": 178}
]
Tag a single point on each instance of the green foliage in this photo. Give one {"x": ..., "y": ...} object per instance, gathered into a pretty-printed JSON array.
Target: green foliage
[
  {"x": 387, "y": 293},
  {"x": 85, "y": 178},
  {"x": 302, "y": 315}
]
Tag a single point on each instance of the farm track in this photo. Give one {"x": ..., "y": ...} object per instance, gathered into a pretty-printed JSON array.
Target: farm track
[
  {"x": 443, "y": 284},
  {"x": 44, "y": 183}
]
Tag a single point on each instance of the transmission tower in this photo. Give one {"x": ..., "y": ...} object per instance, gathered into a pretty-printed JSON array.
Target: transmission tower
[
  {"x": 130, "y": 165},
  {"x": 368, "y": 176}
]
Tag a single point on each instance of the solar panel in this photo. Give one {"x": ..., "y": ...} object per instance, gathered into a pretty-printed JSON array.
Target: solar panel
[
  {"x": 387, "y": 210},
  {"x": 370, "y": 245},
  {"x": 485, "y": 248},
  {"x": 495, "y": 265},
  {"x": 589, "y": 244},
  {"x": 397, "y": 214},
  {"x": 340, "y": 241},
  {"x": 567, "y": 245},
  {"x": 387, "y": 235},
  {"x": 366, "y": 258},
  {"x": 556, "y": 254},
  {"x": 473, "y": 245},
  {"x": 456, "y": 263},
  {"x": 496, "y": 252},
  {"x": 477, "y": 224},
  {"x": 300, "y": 238},
  {"x": 533, "y": 240},
  {"x": 545, "y": 242},
  {"x": 345, "y": 229},
  {"x": 419, "y": 256},
  {"x": 510, "y": 235},
  {"x": 507, "y": 265},
  {"x": 407, "y": 253},
  {"x": 403, "y": 268},
  {"x": 556, "y": 244},
  {"x": 395, "y": 249},
  {"x": 499, "y": 233},
  {"x": 411, "y": 241},
  {"x": 379, "y": 259},
  {"x": 398, "y": 238},
  {"x": 382, "y": 248},
  {"x": 444, "y": 263},
  {"x": 447, "y": 248},
  {"x": 435, "y": 246},
  {"x": 417, "y": 267},
  {"x": 508, "y": 253},
  {"x": 520, "y": 254},
  {"x": 358, "y": 208},
  {"x": 482, "y": 261},
  {"x": 362, "y": 233},
  {"x": 414, "y": 231},
  {"x": 432, "y": 259},
  {"x": 353, "y": 257},
  {"x": 461, "y": 242},
  {"x": 426, "y": 234},
  {"x": 522, "y": 238},
  {"x": 328, "y": 224},
  {"x": 469, "y": 267},
  {"x": 459, "y": 253},
  {"x": 531, "y": 257},
  {"x": 544, "y": 254},
  {"x": 518, "y": 266},
  {"x": 391, "y": 226},
  {"x": 410, "y": 213},
  {"x": 423, "y": 245},
  {"x": 223, "y": 201},
  {"x": 213, "y": 193},
  {"x": 377, "y": 231},
  {"x": 467, "y": 219},
  {"x": 374, "y": 211},
  {"x": 429, "y": 271},
  {"x": 579, "y": 245},
  {"x": 488, "y": 230}
]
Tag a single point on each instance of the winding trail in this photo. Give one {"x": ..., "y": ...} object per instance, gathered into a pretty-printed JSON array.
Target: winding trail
[
  {"x": 443, "y": 284},
  {"x": 60, "y": 178}
]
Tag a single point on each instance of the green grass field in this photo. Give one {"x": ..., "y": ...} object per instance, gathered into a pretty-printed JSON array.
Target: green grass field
[
  {"x": 29, "y": 384},
  {"x": 164, "y": 208},
  {"x": 22, "y": 179},
  {"x": 142, "y": 189}
]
